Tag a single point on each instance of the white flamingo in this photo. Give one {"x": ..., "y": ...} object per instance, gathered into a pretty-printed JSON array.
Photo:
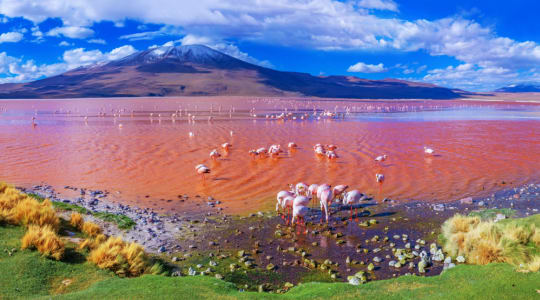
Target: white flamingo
[
  {"x": 325, "y": 199},
  {"x": 352, "y": 198},
  {"x": 312, "y": 191},
  {"x": 381, "y": 158},
  {"x": 301, "y": 189},
  {"x": 226, "y": 146},
  {"x": 214, "y": 154},
  {"x": 300, "y": 212},
  {"x": 292, "y": 145},
  {"x": 379, "y": 177},
  {"x": 428, "y": 151},
  {"x": 202, "y": 169}
]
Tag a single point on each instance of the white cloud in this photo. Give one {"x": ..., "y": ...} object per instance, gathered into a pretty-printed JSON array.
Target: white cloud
[
  {"x": 318, "y": 24},
  {"x": 366, "y": 68},
  {"x": 64, "y": 44},
  {"x": 191, "y": 39},
  {"x": 73, "y": 32},
  {"x": 11, "y": 37},
  {"x": 18, "y": 70},
  {"x": 379, "y": 4},
  {"x": 97, "y": 41}
]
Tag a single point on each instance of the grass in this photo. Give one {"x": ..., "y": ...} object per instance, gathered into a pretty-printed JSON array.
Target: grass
[
  {"x": 515, "y": 241},
  {"x": 45, "y": 240},
  {"x": 122, "y": 221},
  {"x": 25, "y": 274},
  {"x": 489, "y": 214},
  {"x": 125, "y": 259}
]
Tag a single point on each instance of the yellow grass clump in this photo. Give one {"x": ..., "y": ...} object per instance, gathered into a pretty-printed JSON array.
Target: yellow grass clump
[
  {"x": 92, "y": 229},
  {"x": 45, "y": 240},
  {"x": 76, "y": 220},
  {"x": 125, "y": 259},
  {"x": 19, "y": 208},
  {"x": 93, "y": 243},
  {"x": 483, "y": 242}
]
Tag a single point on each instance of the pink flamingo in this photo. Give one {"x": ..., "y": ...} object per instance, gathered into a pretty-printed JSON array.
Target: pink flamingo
[
  {"x": 351, "y": 198},
  {"x": 429, "y": 151},
  {"x": 280, "y": 196},
  {"x": 331, "y": 155},
  {"x": 202, "y": 169},
  {"x": 381, "y": 158},
  {"x": 300, "y": 212},
  {"x": 287, "y": 204},
  {"x": 301, "y": 189},
  {"x": 226, "y": 146},
  {"x": 339, "y": 189},
  {"x": 292, "y": 145},
  {"x": 214, "y": 154},
  {"x": 331, "y": 147},
  {"x": 312, "y": 191},
  {"x": 325, "y": 198}
]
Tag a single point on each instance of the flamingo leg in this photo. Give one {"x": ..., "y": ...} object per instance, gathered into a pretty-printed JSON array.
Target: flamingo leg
[
  {"x": 351, "y": 214},
  {"x": 356, "y": 213}
]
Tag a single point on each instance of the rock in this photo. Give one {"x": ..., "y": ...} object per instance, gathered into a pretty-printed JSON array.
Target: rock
[
  {"x": 438, "y": 256},
  {"x": 373, "y": 222},
  {"x": 192, "y": 272},
  {"x": 212, "y": 263},
  {"x": 467, "y": 200},
  {"x": 241, "y": 253},
  {"x": 260, "y": 214},
  {"x": 499, "y": 217},
  {"x": 176, "y": 274},
  {"x": 481, "y": 203},
  {"x": 392, "y": 263},
  {"x": 448, "y": 260},
  {"x": 219, "y": 276},
  {"x": 270, "y": 267},
  {"x": 353, "y": 280},
  {"x": 460, "y": 259},
  {"x": 438, "y": 207},
  {"x": 248, "y": 264},
  {"x": 288, "y": 285},
  {"x": 199, "y": 266},
  {"x": 377, "y": 259},
  {"x": 162, "y": 249},
  {"x": 422, "y": 266},
  {"x": 175, "y": 259},
  {"x": 370, "y": 267}
]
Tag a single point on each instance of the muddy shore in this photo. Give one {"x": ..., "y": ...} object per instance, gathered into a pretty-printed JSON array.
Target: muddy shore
[{"x": 260, "y": 251}]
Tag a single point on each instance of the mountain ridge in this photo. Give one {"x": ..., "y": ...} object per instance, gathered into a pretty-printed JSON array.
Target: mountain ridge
[{"x": 197, "y": 70}]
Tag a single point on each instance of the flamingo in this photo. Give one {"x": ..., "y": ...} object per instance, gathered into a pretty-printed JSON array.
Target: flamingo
[
  {"x": 287, "y": 204},
  {"x": 300, "y": 212},
  {"x": 319, "y": 150},
  {"x": 331, "y": 155},
  {"x": 191, "y": 134},
  {"x": 381, "y": 158},
  {"x": 312, "y": 191},
  {"x": 274, "y": 150},
  {"x": 331, "y": 147},
  {"x": 253, "y": 153},
  {"x": 429, "y": 151},
  {"x": 321, "y": 188},
  {"x": 226, "y": 146},
  {"x": 281, "y": 196},
  {"x": 261, "y": 151},
  {"x": 325, "y": 199},
  {"x": 292, "y": 145},
  {"x": 351, "y": 198},
  {"x": 202, "y": 169},
  {"x": 301, "y": 188},
  {"x": 379, "y": 177},
  {"x": 214, "y": 154},
  {"x": 338, "y": 190}
]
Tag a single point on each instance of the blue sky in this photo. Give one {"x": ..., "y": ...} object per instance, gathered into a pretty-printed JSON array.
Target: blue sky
[{"x": 472, "y": 45}]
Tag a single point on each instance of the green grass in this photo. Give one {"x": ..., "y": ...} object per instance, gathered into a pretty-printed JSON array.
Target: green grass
[
  {"x": 123, "y": 221},
  {"x": 70, "y": 207},
  {"x": 489, "y": 214},
  {"x": 26, "y": 274}
]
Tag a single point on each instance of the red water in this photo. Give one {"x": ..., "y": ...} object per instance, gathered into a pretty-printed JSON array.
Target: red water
[{"x": 155, "y": 156}]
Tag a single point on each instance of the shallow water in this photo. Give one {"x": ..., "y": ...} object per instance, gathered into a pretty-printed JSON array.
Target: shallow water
[{"x": 478, "y": 146}]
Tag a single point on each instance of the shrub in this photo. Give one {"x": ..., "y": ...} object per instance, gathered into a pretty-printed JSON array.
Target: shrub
[
  {"x": 92, "y": 229},
  {"x": 125, "y": 259},
  {"x": 93, "y": 243},
  {"x": 45, "y": 240},
  {"x": 76, "y": 220},
  {"x": 483, "y": 242},
  {"x": 30, "y": 212}
]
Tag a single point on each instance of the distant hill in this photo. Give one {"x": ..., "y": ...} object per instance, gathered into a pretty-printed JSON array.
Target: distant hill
[
  {"x": 520, "y": 88},
  {"x": 197, "y": 70}
]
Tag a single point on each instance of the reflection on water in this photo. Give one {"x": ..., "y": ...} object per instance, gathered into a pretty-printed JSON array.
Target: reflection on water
[{"x": 142, "y": 147}]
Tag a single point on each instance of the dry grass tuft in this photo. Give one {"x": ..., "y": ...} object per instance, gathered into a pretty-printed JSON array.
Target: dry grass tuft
[
  {"x": 534, "y": 264},
  {"x": 19, "y": 208},
  {"x": 483, "y": 242},
  {"x": 45, "y": 240},
  {"x": 76, "y": 220},
  {"x": 125, "y": 259},
  {"x": 92, "y": 229},
  {"x": 93, "y": 243}
]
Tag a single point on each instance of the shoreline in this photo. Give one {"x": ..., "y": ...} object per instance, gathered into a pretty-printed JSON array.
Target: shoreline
[{"x": 189, "y": 240}]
